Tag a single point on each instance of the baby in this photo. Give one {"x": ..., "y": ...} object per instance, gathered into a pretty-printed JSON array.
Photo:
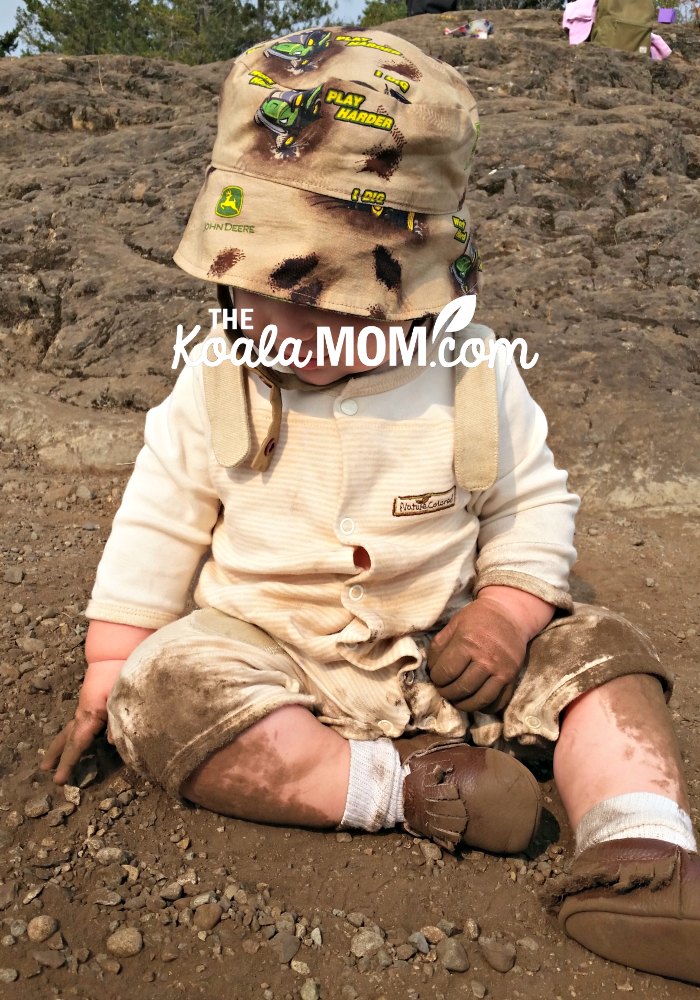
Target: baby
[{"x": 383, "y": 618}]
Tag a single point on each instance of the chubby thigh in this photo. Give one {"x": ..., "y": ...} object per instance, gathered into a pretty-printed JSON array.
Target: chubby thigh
[{"x": 191, "y": 687}]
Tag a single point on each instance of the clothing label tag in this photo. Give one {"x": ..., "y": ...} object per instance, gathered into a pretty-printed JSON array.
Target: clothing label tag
[{"x": 424, "y": 503}]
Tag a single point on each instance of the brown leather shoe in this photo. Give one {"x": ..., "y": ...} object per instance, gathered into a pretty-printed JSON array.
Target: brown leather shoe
[
  {"x": 460, "y": 795},
  {"x": 636, "y": 902}
]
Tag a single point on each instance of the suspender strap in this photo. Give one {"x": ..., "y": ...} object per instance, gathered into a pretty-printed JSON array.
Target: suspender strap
[{"x": 476, "y": 414}]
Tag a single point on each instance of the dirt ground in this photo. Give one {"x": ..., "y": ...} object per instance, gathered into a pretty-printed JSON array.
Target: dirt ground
[{"x": 586, "y": 205}]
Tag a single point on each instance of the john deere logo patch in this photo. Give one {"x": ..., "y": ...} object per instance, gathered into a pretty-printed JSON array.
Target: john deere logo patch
[{"x": 230, "y": 202}]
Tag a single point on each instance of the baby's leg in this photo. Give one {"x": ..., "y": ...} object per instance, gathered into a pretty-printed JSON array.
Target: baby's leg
[
  {"x": 633, "y": 890},
  {"x": 216, "y": 712},
  {"x": 615, "y": 740},
  {"x": 287, "y": 768}
]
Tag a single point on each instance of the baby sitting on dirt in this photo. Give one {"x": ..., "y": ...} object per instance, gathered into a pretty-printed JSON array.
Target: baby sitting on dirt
[{"x": 383, "y": 605}]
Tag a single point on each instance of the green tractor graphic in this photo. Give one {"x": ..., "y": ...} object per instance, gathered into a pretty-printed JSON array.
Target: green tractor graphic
[
  {"x": 465, "y": 269},
  {"x": 286, "y": 112},
  {"x": 299, "y": 50}
]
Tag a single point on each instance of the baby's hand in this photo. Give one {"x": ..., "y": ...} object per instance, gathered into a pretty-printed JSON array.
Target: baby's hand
[
  {"x": 474, "y": 661},
  {"x": 88, "y": 722}
]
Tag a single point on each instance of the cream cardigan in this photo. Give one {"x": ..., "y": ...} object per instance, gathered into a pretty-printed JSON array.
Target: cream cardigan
[{"x": 366, "y": 463}]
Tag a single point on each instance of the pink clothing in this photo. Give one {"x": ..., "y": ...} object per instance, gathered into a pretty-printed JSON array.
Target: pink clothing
[
  {"x": 578, "y": 19},
  {"x": 659, "y": 48}
]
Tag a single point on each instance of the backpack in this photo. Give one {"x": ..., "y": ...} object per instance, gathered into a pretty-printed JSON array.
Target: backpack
[{"x": 625, "y": 25}]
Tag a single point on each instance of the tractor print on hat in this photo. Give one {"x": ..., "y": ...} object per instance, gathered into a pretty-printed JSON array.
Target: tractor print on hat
[
  {"x": 302, "y": 49},
  {"x": 286, "y": 113},
  {"x": 465, "y": 269}
]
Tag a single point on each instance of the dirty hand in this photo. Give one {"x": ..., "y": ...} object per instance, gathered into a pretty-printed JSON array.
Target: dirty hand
[
  {"x": 88, "y": 722},
  {"x": 474, "y": 661}
]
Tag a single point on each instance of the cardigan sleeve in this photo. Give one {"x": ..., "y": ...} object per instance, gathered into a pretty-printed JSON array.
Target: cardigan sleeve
[
  {"x": 165, "y": 522},
  {"x": 527, "y": 517}
]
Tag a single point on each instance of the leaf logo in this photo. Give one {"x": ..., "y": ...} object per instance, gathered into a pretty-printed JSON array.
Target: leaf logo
[{"x": 455, "y": 316}]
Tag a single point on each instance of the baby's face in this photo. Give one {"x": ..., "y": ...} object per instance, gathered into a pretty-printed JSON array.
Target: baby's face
[{"x": 301, "y": 322}]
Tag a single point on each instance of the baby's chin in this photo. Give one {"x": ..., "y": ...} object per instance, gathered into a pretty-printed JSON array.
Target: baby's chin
[{"x": 325, "y": 375}]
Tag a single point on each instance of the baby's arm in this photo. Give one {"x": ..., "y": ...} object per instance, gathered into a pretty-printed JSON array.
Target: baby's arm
[
  {"x": 160, "y": 532},
  {"x": 107, "y": 646},
  {"x": 525, "y": 555}
]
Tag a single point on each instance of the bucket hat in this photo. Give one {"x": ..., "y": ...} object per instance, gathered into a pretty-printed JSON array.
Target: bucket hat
[{"x": 338, "y": 177}]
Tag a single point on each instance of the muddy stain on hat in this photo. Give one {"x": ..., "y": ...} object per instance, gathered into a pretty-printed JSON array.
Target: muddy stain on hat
[
  {"x": 386, "y": 267},
  {"x": 225, "y": 260}
]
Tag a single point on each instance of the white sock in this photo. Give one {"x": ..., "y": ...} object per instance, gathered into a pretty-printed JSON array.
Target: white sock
[
  {"x": 638, "y": 814},
  {"x": 375, "y": 788}
]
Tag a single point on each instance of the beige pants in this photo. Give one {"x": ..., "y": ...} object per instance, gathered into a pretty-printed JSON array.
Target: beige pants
[{"x": 195, "y": 684}]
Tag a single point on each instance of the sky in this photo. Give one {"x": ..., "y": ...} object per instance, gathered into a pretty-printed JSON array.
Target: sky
[{"x": 347, "y": 9}]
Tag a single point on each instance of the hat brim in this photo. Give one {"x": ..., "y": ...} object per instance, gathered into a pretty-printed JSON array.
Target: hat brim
[{"x": 325, "y": 252}]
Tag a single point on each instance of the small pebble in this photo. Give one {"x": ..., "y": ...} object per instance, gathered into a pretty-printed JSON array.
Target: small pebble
[
  {"x": 201, "y": 898},
  {"x": 125, "y": 942},
  {"x": 500, "y": 955},
  {"x": 72, "y": 794},
  {"x": 285, "y": 946},
  {"x": 420, "y": 942},
  {"x": 300, "y": 967},
  {"x": 206, "y": 917},
  {"x": 448, "y": 928},
  {"x": 472, "y": 929},
  {"x": 309, "y": 990},
  {"x": 432, "y": 934},
  {"x": 85, "y": 771},
  {"x": 171, "y": 891},
  {"x": 343, "y": 837},
  {"x": 60, "y": 814},
  {"x": 37, "y": 806},
  {"x": 49, "y": 959},
  {"x": 478, "y": 989},
  {"x": 431, "y": 852},
  {"x": 109, "y": 965},
  {"x": 406, "y": 951},
  {"x": 105, "y": 897},
  {"x": 366, "y": 942},
  {"x": 529, "y": 943},
  {"x": 453, "y": 955},
  {"x": 356, "y": 919},
  {"x": 42, "y": 927},
  {"x": 110, "y": 856},
  {"x": 8, "y": 975}
]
